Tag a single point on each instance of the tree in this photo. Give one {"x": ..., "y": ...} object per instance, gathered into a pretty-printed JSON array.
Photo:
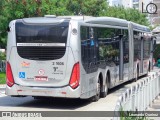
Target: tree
[
  {"x": 86, "y": 7},
  {"x": 129, "y": 14},
  {"x": 15, "y": 9}
]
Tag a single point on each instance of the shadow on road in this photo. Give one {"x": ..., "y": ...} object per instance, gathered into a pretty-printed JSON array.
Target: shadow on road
[
  {"x": 55, "y": 103},
  {"x": 49, "y": 103}
]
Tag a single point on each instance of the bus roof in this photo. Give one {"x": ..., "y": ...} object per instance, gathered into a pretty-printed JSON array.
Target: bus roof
[
  {"x": 52, "y": 19},
  {"x": 140, "y": 27},
  {"x": 98, "y": 20},
  {"x": 43, "y": 20},
  {"x": 108, "y": 21}
]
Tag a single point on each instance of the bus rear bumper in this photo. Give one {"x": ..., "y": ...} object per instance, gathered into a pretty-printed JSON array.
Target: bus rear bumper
[{"x": 65, "y": 92}]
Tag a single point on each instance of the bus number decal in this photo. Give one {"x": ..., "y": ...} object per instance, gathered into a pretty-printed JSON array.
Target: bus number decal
[
  {"x": 55, "y": 69},
  {"x": 58, "y": 63}
]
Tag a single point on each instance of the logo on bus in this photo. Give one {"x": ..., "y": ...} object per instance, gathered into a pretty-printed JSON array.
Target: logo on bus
[
  {"x": 25, "y": 64},
  {"x": 41, "y": 72},
  {"x": 22, "y": 75}
]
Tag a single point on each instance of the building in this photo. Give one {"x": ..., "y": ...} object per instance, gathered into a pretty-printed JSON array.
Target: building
[
  {"x": 135, "y": 4},
  {"x": 143, "y": 6},
  {"x": 115, "y": 2},
  {"x": 155, "y": 18},
  {"x": 125, "y": 3}
]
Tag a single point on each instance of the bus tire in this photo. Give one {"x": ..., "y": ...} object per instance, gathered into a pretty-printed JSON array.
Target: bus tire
[
  {"x": 38, "y": 98},
  {"x": 149, "y": 67},
  {"x": 97, "y": 96},
  {"x": 105, "y": 92},
  {"x": 137, "y": 75}
]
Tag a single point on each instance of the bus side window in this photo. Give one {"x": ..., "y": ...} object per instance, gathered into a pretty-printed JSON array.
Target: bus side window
[
  {"x": 108, "y": 45},
  {"x": 137, "y": 45},
  {"x": 125, "y": 46},
  {"x": 146, "y": 46},
  {"x": 85, "y": 43}
]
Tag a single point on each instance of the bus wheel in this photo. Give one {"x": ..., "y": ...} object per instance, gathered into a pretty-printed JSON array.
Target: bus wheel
[
  {"x": 97, "y": 96},
  {"x": 104, "y": 94},
  {"x": 149, "y": 68}
]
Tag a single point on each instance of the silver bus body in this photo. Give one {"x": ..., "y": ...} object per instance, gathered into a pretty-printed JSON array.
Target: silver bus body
[{"x": 43, "y": 59}]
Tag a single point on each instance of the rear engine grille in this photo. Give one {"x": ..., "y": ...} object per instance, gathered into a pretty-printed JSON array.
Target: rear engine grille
[{"x": 41, "y": 53}]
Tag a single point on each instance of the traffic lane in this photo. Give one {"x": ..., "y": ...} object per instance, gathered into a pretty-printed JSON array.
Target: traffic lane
[{"x": 30, "y": 104}]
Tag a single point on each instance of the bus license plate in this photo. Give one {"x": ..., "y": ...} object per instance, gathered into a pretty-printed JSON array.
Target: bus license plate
[{"x": 41, "y": 78}]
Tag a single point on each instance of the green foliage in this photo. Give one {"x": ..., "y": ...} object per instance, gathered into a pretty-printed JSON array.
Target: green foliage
[
  {"x": 131, "y": 115},
  {"x": 129, "y": 14},
  {"x": 108, "y": 51},
  {"x": 16, "y": 9},
  {"x": 153, "y": 27},
  {"x": 2, "y": 56},
  {"x": 86, "y": 7},
  {"x": 2, "y": 78}
]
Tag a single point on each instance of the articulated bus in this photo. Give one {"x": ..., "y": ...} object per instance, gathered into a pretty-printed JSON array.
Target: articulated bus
[{"x": 75, "y": 56}]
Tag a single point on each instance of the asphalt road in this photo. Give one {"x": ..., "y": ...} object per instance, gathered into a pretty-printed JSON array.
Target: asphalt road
[
  {"x": 8, "y": 103},
  {"x": 108, "y": 103},
  {"x": 53, "y": 104}
]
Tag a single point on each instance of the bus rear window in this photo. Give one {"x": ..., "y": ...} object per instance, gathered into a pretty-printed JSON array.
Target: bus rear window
[{"x": 35, "y": 33}]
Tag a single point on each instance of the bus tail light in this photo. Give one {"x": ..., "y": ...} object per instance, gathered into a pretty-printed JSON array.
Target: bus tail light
[
  {"x": 75, "y": 76},
  {"x": 10, "y": 80}
]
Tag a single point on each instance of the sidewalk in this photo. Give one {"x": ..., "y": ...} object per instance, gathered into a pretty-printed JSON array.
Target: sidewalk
[
  {"x": 155, "y": 107},
  {"x": 156, "y": 104}
]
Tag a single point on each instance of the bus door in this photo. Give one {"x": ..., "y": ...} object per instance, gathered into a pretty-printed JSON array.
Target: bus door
[
  {"x": 146, "y": 52},
  {"x": 92, "y": 50},
  {"x": 109, "y": 51},
  {"x": 125, "y": 55},
  {"x": 89, "y": 55},
  {"x": 122, "y": 58}
]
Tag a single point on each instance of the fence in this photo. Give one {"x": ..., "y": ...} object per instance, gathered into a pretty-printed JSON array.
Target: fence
[
  {"x": 140, "y": 96},
  {"x": 2, "y": 65}
]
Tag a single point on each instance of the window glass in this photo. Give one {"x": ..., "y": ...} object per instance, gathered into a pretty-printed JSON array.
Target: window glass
[
  {"x": 41, "y": 33},
  {"x": 137, "y": 45},
  {"x": 146, "y": 48},
  {"x": 125, "y": 46},
  {"x": 108, "y": 39}
]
